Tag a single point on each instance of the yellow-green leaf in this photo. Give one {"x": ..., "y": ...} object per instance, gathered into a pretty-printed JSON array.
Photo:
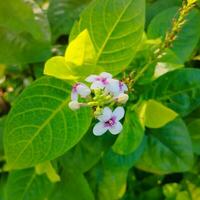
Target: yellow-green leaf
[
  {"x": 47, "y": 168},
  {"x": 156, "y": 115},
  {"x": 57, "y": 67},
  {"x": 81, "y": 50}
]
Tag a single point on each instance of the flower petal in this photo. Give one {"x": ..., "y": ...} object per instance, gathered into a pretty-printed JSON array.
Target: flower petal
[
  {"x": 91, "y": 78},
  {"x": 106, "y": 114},
  {"x": 124, "y": 87},
  {"x": 83, "y": 90},
  {"x": 99, "y": 129},
  {"x": 74, "y": 96},
  {"x": 113, "y": 87},
  {"x": 106, "y": 75},
  {"x": 116, "y": 129},
  {"x": 119, "y": 113},
  {"x": 97, "y": 85}
]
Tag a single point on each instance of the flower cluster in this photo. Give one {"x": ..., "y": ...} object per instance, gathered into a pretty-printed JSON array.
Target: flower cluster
[{"x": 104, "y": 93}]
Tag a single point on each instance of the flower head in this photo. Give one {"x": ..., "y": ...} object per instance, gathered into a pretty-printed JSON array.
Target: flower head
[
  {"x": 116, "y": 87},
  {"x": 99, "y": 81},
  {"x": 79, "y": 89},
  {"x": 109, "y": 121}
]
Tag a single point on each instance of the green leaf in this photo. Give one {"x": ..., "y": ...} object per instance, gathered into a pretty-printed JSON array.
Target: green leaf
[
  {"x": 157, "y": 115},
  {"x": 62, "y": 14},
  {"x": 112, "y": 185},
  {"x": 168, "y": 149},
  {"x": 24, "y": 33},
  {"x": 178, "y": 90},
  {"x": 116, "y": 28},
  {"x": 194, "y": 129},
  {"x": 2, "y": 126},
  {"x": 162, "y": 23},
  {"x": 131, "y": 136},
  {"x": 26, "y": 185},
  {"x": 117, "y": 162},
  {"x": 73, "y": 186},
  {"x": 40, "y": 126},
  {"x": 87, "y": 152}
]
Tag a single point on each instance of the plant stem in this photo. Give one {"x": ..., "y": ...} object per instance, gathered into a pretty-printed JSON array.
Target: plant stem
[{"x": 170, "y": 37}]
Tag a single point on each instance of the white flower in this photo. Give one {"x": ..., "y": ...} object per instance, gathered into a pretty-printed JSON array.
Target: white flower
[
  {"x": 74, "y": 105},
  {"x": 109, "y": 121},
  {"x": 99, "y": 82},
  {"x": 116, "y": 87},
  {"x": 122, "y": 98},
  {"x": 79, "y": 89}
]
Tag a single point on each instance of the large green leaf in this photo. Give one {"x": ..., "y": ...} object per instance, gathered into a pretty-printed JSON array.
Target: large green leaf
[
  {"x": 194, "y": 129},
  {"x": 87, "y": 152},
  {"x": 73, "y": 186},
  {"x": 162, "y": 23},
  {"x": 178, "y": 90},
  {"x": 40, "y": 125},
  {"x": 24, "y": 33},
  {"x": 62, "y": 14},
  {"x": 26, "y": 185},
  {"x": 116, "y": 29},
  {"x": 131, "y": 136},
  {"x": 116, "y": 162},
  {"x": 168, "y": 149},
  {"x": 2, "y": 125}
]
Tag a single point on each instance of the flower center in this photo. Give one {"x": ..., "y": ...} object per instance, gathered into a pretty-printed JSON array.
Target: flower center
[
  {"x": 111, "y": 122},
  {"x": 103, "y": 80},
  {"x": 120, "y": 85},
  {"x": 74, "y": 88}
]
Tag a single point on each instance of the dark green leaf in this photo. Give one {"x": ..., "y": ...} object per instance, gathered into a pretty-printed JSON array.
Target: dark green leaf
[
  {"x": 73, "y": 186},
  {"x": 117, "y": 162},
  {"x": 63, "y": 13},
  {"x": 194, "y": 129},
  {"x": 24, "y": 33},
  {"x": 163, "y": 22},
  {"x": 87, "y": 152},
  {"x": 131, "y": 136},
  {"x": 178, "y": 90},
  {"x": 40, "y": 125},
  {"x": 168, "y": 149},
  {"x": 26, "y": 185}
]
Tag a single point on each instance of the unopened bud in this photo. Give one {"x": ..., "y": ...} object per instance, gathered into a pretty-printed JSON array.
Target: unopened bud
[
  {"x": 122, "y": 98},
  {"x": 74, "y": 105}
]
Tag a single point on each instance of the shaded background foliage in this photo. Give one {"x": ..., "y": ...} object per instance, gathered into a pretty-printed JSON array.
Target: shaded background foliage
[{"x": 158, "y": 164}]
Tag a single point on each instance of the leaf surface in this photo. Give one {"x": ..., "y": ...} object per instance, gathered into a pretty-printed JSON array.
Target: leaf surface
[
  {"x": 26, "y": 185},
  {"x": 40, "y": 126},
  {"x": 116, "y": 29},
  {"x": 168, "y": 149}
]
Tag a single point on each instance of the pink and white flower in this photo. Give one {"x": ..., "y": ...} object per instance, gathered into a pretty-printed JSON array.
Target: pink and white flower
[
  {"x": 80, "y": 89},
  {"x": 109, "y": 121},
  {"x": 99, "y": 81},
  {"x": 116, "y": 87}
]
